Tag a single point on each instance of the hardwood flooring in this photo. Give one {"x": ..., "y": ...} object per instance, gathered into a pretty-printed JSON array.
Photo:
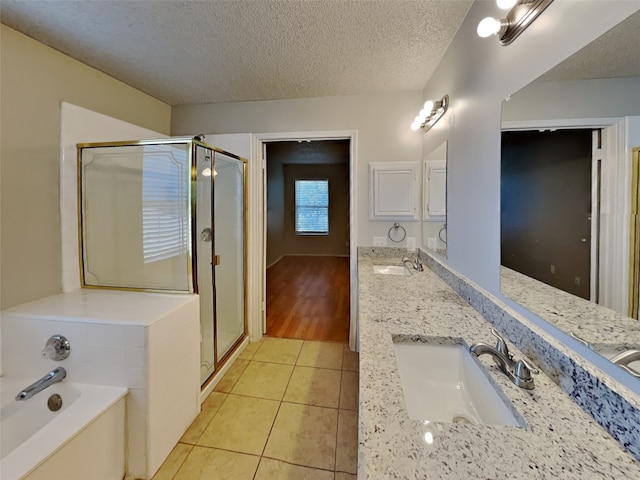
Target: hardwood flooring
[{"x": 308, "y": 298}]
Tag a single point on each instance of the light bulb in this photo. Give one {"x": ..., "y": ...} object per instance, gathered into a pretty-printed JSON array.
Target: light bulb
[
  {"x": 428, "y": 105},
  {"x": 506, "y": 4},
  {"x": 489, "y": 26},
  {"x": 424, "y": 113},
  {"x": 415, "y": 125},
  {"x": 428, "y": 437}
]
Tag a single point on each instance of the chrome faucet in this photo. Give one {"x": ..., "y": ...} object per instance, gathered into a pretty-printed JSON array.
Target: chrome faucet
[
  {"x": 54, "y": 376},
  {"x": 581, "y": 340},
  {"x": 625, "y": 358},
  {"x": 519, "y": 372},
  {"x": 415, "y": 263}
]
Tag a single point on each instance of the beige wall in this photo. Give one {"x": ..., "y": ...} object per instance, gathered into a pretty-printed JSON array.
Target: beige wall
[
  {"x": 381, "y": 120},
  {"x": 34, "y": 80}
]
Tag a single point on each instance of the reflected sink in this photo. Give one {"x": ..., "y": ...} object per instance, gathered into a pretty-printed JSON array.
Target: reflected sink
[
  {"x": 610, "y": 351},
  {"x": 443, "y": 383},
  {"x": 391, "y": 270}
]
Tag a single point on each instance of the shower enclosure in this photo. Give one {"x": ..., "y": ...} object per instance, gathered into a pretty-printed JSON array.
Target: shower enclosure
[{"x": 168, "y": 216}]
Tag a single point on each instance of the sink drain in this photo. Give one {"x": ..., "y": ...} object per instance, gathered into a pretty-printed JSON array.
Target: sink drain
[
  {"x": 55, "y": 402},
  {"x": 461, "y": 419}
]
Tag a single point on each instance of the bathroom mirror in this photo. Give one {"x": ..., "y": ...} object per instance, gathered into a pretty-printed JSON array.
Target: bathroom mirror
[
  {"x": 567, "y": 221},
  {"x": 434, "y": 200}
]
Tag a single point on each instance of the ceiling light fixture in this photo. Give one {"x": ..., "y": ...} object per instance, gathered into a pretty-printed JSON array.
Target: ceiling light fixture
[
  {"x": 521, "y": 14},
  {"x": 430, "y": 114}
]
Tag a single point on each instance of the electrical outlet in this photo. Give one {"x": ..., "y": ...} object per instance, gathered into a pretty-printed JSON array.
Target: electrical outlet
[
  {"x": 577, "y": 280},
  {"x": 552, "y": 268},
  {"x": 379, "y": 241},
  {"x": 411, "y": 244},
  {"x": 432, "y": 243}
]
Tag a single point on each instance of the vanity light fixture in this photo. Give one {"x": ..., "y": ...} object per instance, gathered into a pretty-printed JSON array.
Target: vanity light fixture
[
  {"x": 521, "y": 14},
  {"x": 430, "y": 114}
]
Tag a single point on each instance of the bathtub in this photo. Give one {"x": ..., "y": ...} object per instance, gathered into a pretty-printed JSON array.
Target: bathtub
[{"x": 84, "y": 439}]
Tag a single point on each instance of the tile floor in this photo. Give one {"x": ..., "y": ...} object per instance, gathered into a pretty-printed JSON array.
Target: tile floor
[{"x": 286, "y": 409}]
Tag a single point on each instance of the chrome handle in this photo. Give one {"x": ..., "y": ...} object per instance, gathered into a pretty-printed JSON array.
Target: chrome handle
[
  {"x": 581, "y": 340},
  {"x": 501, "y": 346},
  {"x": 57, "y": 348},
  {"x": 524, "y": 369},
  {"x": 630, "y": 370},
  {"x": 206, "y": 235}
]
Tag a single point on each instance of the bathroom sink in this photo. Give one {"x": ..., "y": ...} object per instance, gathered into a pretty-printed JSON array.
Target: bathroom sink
[
  {"x": 443, "y": 383},
  {"x": 391, "y": 270}
]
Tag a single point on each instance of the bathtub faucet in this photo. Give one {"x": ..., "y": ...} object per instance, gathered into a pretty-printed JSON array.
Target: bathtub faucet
[{"x": 54, "y": 376}]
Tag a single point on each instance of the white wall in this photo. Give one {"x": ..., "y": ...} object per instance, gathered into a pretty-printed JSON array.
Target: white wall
[
  {"x": 382, "y": 122},
  {"x": 595, "y": 98},
  {"x": 79, "y": 125},
  {"x": 478, "y": 74}
]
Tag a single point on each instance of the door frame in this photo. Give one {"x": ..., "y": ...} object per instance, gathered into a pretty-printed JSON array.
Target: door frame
[
  {"x": 258, "y": 218},
  {"x": 613, "y": 241}
]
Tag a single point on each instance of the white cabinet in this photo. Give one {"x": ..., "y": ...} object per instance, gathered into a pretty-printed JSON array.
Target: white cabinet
[
  {"x": 435, "y": 190},
  {"x": 393, "y": 191}
]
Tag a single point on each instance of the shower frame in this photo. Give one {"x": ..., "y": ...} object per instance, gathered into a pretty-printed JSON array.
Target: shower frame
[{"x": 192, "y": 252}]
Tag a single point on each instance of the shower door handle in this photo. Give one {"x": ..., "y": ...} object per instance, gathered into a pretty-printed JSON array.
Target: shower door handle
[{"x": 206, "y": 235}]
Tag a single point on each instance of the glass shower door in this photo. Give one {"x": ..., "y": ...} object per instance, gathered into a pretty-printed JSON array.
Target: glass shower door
[
  {"x": 229, "y": 248},
  {"x": 204, "y": 265}
]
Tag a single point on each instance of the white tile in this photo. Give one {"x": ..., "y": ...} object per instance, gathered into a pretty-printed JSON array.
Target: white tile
[
  {"x": 134, "y": 357},
  {"x": 97, "y": 334},
  {"x": 110, "y": 369},
  {"x": 136, "y": 378},
  {"x": 115, "y": 335},
  {"x": 137, "y": 402},
  {"x": 134, "y": 336}
]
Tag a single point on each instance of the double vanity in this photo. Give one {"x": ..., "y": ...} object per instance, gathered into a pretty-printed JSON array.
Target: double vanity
[{"x": 429, "y": 408}]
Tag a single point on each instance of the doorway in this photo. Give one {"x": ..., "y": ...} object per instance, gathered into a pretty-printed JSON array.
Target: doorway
[
  {"x": 546, "y": 207},
  {"x": 307, "y": 238}
]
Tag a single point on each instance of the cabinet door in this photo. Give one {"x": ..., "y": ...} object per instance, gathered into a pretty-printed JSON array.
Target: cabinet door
[
  {"x": 435, "y": 190},
  {"x": 393, "y": 192}
]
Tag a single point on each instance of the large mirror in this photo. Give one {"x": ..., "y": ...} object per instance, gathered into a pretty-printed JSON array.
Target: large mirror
[
  {"x": 569, "y": 194},
  {"x": 434, "y": 200}
]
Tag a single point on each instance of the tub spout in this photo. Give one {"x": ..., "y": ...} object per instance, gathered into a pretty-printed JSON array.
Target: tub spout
[{"x": 54, "y": 376}]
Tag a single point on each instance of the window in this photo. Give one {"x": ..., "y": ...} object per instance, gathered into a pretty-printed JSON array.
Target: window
[
  {"x": 165, "y": 226},
  {"x": 312, "y": 207}
]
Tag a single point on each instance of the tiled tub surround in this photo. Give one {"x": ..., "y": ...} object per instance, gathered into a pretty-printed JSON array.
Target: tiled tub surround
[
  {"x": 560, "y": 440},
  {"x": 610, "y": 403},
  {"x": 142, "y": 341}
]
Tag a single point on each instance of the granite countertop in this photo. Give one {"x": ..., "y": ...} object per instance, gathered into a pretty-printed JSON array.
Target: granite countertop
[
  {"x": 598, "y": 325},
  {"x": 559, "y": 441}
]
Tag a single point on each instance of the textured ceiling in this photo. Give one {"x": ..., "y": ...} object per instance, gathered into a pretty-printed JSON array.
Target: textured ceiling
[
  {"x": 190, "y": 52},
  {"x": 309, "y": 152},
  {"x": 614, "y": 54}
]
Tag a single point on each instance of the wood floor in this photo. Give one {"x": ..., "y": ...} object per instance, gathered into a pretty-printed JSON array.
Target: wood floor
[{"x": 308, "y": 298}]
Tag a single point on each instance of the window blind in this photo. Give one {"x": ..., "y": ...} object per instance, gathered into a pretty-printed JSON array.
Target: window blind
[
  {"x": 312, "y": 206},
  {"x": 165, "y": 226}
]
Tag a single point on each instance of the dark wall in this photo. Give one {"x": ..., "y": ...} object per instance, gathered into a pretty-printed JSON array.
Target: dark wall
[
  {"x": 289, "y": 161},
  {"x": 546, "y": 207}
]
